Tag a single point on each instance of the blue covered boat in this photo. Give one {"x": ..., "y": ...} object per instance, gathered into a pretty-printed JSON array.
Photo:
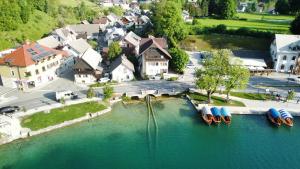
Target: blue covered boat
[
  {"x": 274, "y": 117},
  {"x": 216, "y": 115},
  {"x": 226, "y": 115},
  {"x": 286, "y": 117}
]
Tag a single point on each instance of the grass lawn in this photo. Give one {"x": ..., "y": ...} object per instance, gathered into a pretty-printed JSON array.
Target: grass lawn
[
  {"x": 251, "y": 96},
  {"x": 56, "y": 116},
  {"x": 74, "y": 3},
  {"x": 218, "y": 41},
  {"x": 273, "y": 23},
  {"x": 217, "y": 101}
]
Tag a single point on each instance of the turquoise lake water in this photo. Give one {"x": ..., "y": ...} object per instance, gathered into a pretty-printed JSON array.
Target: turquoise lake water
[{"x": 119, "y": 140}]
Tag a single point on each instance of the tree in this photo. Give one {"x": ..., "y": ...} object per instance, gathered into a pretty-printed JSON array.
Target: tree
[
  {"x": 237, "y": 77},
  {"x": 179, "y": 59},
  {"x": 90, "y": 93},
  {"x": 212, "y": 7},
  {"x": 291, "y": 95},
  {"x": 25, "y": 10},
  {"x": 9, "y": 15},
  {"x": 211, "y": 76},
  {"x": 204, "y": 7},
  {"x": 227, "y": 9},
  {"x": 168, "y": 21},
  {"x": 114, "y": 50},
  {"x": 294, "y": 6},
  {"x": 295, "y": 25},
  {"x": 282, "y": 7},
  {"x": 108, "y": 91}
]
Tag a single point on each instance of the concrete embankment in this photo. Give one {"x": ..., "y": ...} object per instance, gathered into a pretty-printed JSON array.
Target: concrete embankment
[{"x": 260, "y": 109}]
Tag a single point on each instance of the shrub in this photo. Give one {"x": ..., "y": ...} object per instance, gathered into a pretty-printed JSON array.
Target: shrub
[{"x": 108, "y": 91}]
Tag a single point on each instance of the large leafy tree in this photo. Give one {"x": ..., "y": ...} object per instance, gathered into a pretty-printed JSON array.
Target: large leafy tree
[
  {"x": 237, "y": 77},
  {"x": 179, "y": 59},
  {"x": 295, "y": 25},
  {"x": 9, "y": 15},
  {"x": 213, "y": 7},
  {"x": 282, "y": 7},
  {"x": 114, "y": 50},
  {"x": 211, "y": 76},
  {"x": 168, "y": 21},
  {"x": 227, "y": 9},
  {"x": 204, "y": 7}
]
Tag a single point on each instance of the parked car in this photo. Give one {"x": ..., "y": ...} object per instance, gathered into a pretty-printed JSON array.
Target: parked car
[
  {"x": 68, "y": 94},
  {"x": 104, "y": 80},
  {"x": 9, "y": 109}
]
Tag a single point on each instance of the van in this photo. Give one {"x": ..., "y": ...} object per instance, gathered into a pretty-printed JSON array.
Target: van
[{"x": 68, "y": 94}]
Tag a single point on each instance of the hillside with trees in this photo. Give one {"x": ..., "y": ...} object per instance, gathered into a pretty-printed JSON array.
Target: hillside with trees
[{"x": 32, "y": 19}]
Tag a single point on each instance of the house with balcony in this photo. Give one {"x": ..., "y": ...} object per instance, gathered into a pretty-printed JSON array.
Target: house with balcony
[
  {"x": 30, "y": 65},
  {"x": 285, "y": 52},
  {"x": 153, "y": 57},
  {"x": 88, "y": 67}
]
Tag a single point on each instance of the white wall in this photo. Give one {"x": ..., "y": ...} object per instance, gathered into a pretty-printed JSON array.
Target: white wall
[
  {"x": 84, "y": 78},
  {"x": 122, "y": 74},
  {"x": 152, "y": 68}
]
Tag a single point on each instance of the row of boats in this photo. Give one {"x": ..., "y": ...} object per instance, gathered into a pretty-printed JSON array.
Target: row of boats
[
  {"x": 280, "y": 117},
  {"x": 216, "y": 115}
]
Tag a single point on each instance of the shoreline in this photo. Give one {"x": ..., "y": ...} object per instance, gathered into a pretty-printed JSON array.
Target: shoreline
[{"x": 28, "y": 133}]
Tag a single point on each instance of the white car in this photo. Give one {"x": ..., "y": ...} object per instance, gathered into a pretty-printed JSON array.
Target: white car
[
  {"x": 65, "y": 95},
  {"x": 104, "y": 80}
]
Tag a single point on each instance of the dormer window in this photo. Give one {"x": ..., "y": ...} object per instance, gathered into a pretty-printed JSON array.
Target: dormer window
[{"x": 294, "y": 58}]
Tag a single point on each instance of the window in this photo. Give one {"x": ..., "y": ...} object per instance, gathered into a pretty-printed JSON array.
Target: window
[
  {"x": 156, "y": 63},
  {"x": 294, "y": 58},
  {"x": 284, "y": 57},
  {"x": 43, "y": 68},
  {"x": 27, "y": 74},
  {"x": 37, "y": 71},
  {"x": 282, "y": 67},
  {"x": 291, "y": 67},
  {"x": 12, "y": 73}
]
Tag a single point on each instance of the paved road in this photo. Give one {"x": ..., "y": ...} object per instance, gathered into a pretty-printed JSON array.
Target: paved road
[{"x": 45, "y": 95}]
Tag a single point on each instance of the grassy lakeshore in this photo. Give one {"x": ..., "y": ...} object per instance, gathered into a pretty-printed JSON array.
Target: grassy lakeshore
[
  {"x": 251, "y": 96},
  {"x": 216, "y": 101},
  {"x": 56, "y": 116}
]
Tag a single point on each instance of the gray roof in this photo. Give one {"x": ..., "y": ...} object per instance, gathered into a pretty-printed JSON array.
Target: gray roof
[
  {"x": 121, "y": 60},
  {"x": 92, "y": 57},
  {"x": 80, "y": 45},
  {"x": 133, "y": 38},
  {"x": 90, "y": 29},
  {"x": 49, "y": 42}
]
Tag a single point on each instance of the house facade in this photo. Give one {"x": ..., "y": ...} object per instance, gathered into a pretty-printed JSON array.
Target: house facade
[
  {"x": 153, "y": 57},
  {"x": 122, "y": 69},
  {"x": 285, "y": 52},
  {"x": 30, "y": 66},
  {"x": 87, "y": 68}
]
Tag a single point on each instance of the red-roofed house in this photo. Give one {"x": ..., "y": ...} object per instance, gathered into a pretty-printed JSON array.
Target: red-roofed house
[{"x": 29, "y": 66}]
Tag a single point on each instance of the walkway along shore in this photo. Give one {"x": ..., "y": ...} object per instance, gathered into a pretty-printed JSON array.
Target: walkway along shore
[{"x": 25, "y": 133}]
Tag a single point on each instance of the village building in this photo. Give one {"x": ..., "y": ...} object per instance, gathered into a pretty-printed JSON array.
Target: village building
[
  {"x": 87, "y": 68},
  {"x": 30, "y": 65},
  {"x": 285, "y": 52},
  {"x": 121, "y": 69},
  {"x": 153, "y": 57}
]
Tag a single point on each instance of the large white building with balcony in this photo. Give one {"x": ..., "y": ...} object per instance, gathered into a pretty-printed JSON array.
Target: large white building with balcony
[{"x": 285, "y": 51}]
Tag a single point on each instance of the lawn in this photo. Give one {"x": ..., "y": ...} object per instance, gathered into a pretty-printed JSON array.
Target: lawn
[
  {"x": 273, "y": 23},
  {"x": 56, "y": 116},
  {"x": 74, "y": 3},
  {"x": 217, "y": 101},
  {"x": 217, "y": 41},
  {"x": 251, "y": 96}
]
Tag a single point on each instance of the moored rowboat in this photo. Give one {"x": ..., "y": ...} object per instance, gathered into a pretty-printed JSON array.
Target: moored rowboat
[
  {"x": 274, "y": 117},
  {"x": 207, "y": 115},
  {"x": 286, "y": 118},
  {"x": 226, "y": 115},
  {"x": 216, "y": 115}
]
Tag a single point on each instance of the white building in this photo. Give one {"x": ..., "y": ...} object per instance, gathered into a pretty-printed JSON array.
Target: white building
[
  {"x": 285, "y": 51},
  {"x": 64, "y": 35},
  {"x": 122, "y": 69},
  {"x": 88, "y": 67},
  {"x": 153, "y": 57},
  {"x": 77, "y": 47},
  {"x": 114, "y": 34}
]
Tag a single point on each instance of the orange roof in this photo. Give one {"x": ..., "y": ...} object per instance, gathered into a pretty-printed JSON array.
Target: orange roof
[{"x": 28, "y": 54}]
